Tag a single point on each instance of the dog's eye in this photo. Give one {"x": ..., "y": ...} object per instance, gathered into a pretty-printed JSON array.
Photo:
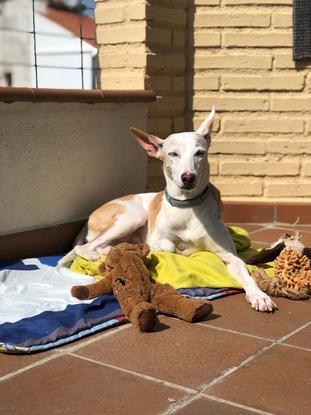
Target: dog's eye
[
  {"x": 173, "y": 154},
  {"x": 200, "y": 153}
]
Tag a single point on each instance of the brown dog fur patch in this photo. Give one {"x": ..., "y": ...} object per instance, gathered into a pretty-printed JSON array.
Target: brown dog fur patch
[{"x": 154, "y": 209}]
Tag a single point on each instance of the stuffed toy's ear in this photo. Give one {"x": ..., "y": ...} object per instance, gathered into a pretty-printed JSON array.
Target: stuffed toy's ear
[
  {"x": 143, "y": 249},
  {"x": 102, "y": 269}
]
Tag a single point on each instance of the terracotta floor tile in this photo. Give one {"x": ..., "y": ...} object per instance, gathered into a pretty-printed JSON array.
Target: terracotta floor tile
[
  {"x": 182, "y": 353},
  {"x": 11, "y": 363},
  {"x": 236, "y": 314},
  {"x": 302, "y": 338},
  {"x": 268, "y": 235},
  {"x": 260, "y": 245},
  {"x": 70, "y": 385},
  {"x": 205, "y": 406},
  {"x": 243, "y": 212},
  {"x": 273, "y": 234},
  {"x": 290, "y": 212},
  {"x": 305, "y": 228},
  {"x": 277, "y": 381}
]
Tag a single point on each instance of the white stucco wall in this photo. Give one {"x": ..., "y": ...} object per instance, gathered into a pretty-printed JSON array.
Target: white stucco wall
[{"x": 58, "y": 162}]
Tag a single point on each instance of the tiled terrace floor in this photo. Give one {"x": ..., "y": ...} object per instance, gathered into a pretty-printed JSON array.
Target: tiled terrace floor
[{"x": 238, "y": 362}]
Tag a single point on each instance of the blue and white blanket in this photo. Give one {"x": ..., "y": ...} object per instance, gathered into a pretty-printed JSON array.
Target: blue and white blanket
[{"x": 37, "y": 311}]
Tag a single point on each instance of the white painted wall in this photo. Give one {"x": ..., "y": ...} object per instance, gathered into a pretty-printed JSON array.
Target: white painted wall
[{"x": 58, "y": 162}]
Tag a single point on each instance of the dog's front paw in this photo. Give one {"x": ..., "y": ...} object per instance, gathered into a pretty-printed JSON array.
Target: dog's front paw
[
  {"x": 86, "y": 253},
  {"x": 260, "y": 301},
  {"x": 164, "y": 245}
]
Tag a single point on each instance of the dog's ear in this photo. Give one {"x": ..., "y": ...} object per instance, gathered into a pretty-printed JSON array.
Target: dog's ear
[
  {"x": 205, "y": 127},
  {"x": 151, "y": 143}
]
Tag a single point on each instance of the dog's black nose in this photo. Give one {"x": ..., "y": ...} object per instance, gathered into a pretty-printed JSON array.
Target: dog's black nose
[{"x": 188, "y": 179}]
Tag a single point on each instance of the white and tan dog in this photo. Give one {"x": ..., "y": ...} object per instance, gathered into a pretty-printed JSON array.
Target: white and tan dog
[{"x": 185, "y": 218}]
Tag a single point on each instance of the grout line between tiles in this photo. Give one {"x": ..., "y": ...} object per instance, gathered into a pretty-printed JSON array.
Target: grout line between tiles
[
  {"x": 233, "y": 369},
  {"x": 61, "y": 352},
  {"x": 238, "y": 405},
  {"x": 276, "y": 342},
  {"x": 28, "y": 367},
  {"x": 138, "y": 374},
  {"x": 235, "y": 332},
  {"x": 104, "y": 334},
  {"x": 186, "y": 400},
  {"x": 293, "y": 346},
  {"x": 292, "y": 333}
]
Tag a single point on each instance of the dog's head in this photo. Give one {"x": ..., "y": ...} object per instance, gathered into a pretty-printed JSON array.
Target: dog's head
[{"x": 184, "y": 155}]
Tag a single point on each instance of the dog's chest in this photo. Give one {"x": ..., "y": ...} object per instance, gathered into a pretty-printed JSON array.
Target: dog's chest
[{"x": 189, "y": 225}]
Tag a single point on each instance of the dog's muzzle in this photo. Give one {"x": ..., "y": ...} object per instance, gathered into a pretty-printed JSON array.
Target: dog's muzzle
[{"x": 188, "y": 180}]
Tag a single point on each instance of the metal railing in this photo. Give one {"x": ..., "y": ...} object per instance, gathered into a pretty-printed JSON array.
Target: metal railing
[{"x": 80, "y": 12}]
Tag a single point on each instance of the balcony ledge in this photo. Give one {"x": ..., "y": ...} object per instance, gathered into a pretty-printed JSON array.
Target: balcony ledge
[{"x": 90, "y": 96}]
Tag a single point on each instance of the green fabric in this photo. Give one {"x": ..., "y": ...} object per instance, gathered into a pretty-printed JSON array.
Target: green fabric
[{"x": 201, "y": 269}]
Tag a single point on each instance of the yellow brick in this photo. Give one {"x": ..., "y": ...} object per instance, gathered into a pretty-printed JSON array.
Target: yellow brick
[
  {"x": 267, "y": 40},
  {"x": 309, "y": 126},
  {"x": 121, "y": 34},
  {"x": 135, "y": 11},
  {"x": 155, "y": 184},
  {"x": 284, "y": 61},
  {"x": 179, "y": 124},
  {"x": 291, "y": 103},
  {"x": 236, "y": 103},
  {"x": 177, "y": 17},
  {"x": 238, "y": 187},
  {"x": 230, "y": 146},
  {"x": 166, "y": 63},
  {"x": 265, "y": 2},
  {"x": 257, "y": 168},
  {"x": 159, "y": 126},
  {"x": 206, "y": 39},
  {"x": 158, "y": 36},
  {"x": 198, "y": 121},
  {"x": 207, "y": 2},
  {"x": 263, "y": 125},
  {"x": 213, "y": 165},
  {"x": 122, "y": 80},
  {"x": 286, "y": 82},
  {"x": 226, "y": 19},
  {"x": 282, "y": 19},
  {"x": 109, "y": 14},
  {"x": 167, "y": 106},
  {"x": 160, "y": 84},
  {"x": 288, "y": 188},
  {"x": 291, "y": 146},
  {"x": 154, "y": 166},
  {"x": 122, "y": 56},
  {"x": 178, "y": 83},
  {"x": 226, "y": 61},
  {"x": 206, "y": 82},
  {"x": 179, "y": 38},
  {"x": 306, "y": 168}
]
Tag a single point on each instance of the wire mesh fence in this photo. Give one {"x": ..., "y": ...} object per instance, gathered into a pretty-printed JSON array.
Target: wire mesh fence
[{"x": 48, "y": 43}]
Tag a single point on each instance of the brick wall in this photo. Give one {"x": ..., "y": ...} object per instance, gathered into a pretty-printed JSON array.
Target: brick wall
[
  {"x": 142, "y": 45},
  {"x": 241, "y": 61},
  {"x": 236, "y": 54}
]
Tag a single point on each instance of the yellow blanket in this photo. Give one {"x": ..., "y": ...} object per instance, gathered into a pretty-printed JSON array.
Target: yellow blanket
[{"x": 202, "y": 269}]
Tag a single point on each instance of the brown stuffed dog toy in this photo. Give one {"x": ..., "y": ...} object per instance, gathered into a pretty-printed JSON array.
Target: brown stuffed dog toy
[{"x": 126, "y": 275}]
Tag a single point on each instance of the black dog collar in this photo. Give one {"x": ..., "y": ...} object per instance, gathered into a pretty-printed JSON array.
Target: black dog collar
[{"x": 187, "y": 202}]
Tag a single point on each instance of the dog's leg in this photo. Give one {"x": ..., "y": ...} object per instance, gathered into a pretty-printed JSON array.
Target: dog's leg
[
  {"x": 133, "y": 218},
  {"x": 124, "y": 224},
  {"x": 237, "y": 268}
]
